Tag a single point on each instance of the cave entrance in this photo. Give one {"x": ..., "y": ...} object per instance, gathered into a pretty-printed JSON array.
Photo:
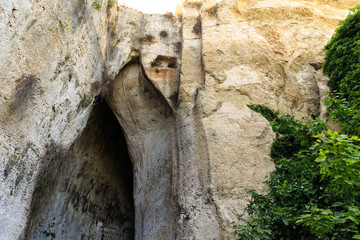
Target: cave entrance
[{"x": 93, "y": 194}]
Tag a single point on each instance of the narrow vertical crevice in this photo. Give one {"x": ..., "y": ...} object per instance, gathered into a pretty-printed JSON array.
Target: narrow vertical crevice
[{"x": 198, "y": 211}]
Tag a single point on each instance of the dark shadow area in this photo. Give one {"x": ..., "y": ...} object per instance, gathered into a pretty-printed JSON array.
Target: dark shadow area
[{"x": 87, "y": 192}]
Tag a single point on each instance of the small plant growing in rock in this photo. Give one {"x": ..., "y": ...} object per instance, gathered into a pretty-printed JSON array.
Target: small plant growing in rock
[
  {"x": 96, "y": 5},
  {"x": 114, "y": 44},
  {"x": 197, "y": 27},
  {"x": 64, "y": 25},
  {"x": 111, "y": 3},
  {"x": 31, "y": 145},
  {"x": 88, "y": 100},
  {"x": 164, "y": 34}
]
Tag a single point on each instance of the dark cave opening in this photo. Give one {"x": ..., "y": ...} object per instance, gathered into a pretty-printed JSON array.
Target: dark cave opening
[
  {"x": 92, "y": 197},
  {"x": 113, "y": 170}
]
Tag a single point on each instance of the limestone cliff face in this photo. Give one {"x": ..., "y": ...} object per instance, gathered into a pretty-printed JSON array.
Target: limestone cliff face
[
  {"x": 51, "y": 52},
  {"x": 119, "y": 125},
  {"x": 258, "y": 52}
]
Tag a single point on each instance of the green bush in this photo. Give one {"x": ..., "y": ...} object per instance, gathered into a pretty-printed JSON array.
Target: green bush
[
  {"x": 342, "y": 65},
  {"x": 314, "y": 190}
]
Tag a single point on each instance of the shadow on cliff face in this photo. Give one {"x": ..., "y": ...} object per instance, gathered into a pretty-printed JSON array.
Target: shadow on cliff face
[{"x": 86, "y": 192}]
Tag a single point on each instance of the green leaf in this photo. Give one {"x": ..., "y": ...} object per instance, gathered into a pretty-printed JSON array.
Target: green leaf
[
  {"x": 285, "y": 221},
  {"x": 337, "y": 204}
]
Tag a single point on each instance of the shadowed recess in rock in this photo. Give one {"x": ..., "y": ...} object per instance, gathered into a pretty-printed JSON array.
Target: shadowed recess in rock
[
  {"x": 91, "y": 196},
  {"x": 148, "y": 123}
]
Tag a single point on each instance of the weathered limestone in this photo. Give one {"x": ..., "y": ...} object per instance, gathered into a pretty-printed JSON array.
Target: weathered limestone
[
  {"x": 178, "y": 89},
  {"x": 148, "y": 124},
  {"x": 257, "y": 52},
  {"x": 86, "y": 192},
  {"x": 197, "y": 211},
  {"x": 59, "y": 44}
]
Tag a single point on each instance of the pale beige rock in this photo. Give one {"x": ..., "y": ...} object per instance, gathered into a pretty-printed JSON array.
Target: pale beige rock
[
  {"x": 271, "y": 53},
  {"x": 178, "y": 89},
  {"x": 59, "y": 45}
]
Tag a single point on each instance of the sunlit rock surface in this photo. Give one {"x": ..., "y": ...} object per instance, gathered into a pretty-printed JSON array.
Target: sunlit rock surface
[{"x": 119, "y": 125}]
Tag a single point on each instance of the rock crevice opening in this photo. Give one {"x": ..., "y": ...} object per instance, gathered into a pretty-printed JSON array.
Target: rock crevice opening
[{"x": 87, "y": 192}]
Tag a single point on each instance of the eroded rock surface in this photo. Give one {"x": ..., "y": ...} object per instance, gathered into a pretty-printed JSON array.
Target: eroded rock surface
[
  {"x": 87, "y": 191},
  {"x": 148, "y": 123},
  {"x": 178, "y": 88}
]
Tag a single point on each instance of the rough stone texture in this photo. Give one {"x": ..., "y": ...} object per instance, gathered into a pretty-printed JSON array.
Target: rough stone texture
[
  {"x": 148, "y": 124},
  {"x": 178, "y": 90},
  {"x": 86, "y": 192},
  {"x": 65, "y": 59},
  {"x": 56, "y": 58},
  {"x": 198, "y": 213},
  {"x": 257, "y": 52},
  {"x": 135, "y": 34}
]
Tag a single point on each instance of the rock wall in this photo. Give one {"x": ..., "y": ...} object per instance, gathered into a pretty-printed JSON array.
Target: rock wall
[
  {"x": 257, "y": 52},
  {"x": 148, "y": 123},
  {"x": 50, "y": 54},
  {"x": 178, "y": 88},
  {"x": 87, "y": 191}
]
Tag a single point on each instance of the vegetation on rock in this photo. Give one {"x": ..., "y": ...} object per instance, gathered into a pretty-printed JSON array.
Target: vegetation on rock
[
  {"x": 111, "y": 3},
  {"x": 96, "y": 5},
  {"x": 342, "y": 65},
  {"x": 314, "y": 190}
]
